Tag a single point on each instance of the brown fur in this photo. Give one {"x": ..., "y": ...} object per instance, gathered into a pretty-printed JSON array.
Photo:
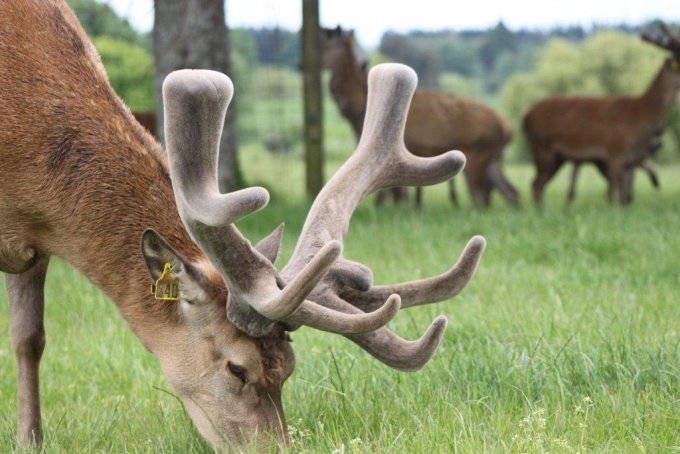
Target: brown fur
[
  {"x": 82, "y": 180},
  {"x": 616, "y": 131},
  {"x": 437, "y": 121}
]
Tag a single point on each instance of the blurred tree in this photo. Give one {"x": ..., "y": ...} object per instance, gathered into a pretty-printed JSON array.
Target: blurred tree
[
  {"x": 124, "y": 52},
  {"x": 468, "y": 87},
  {"x": 457, "y": 55},
  {"x": 276, "y": 46},
  {"x": 422, "y": 60},
  {"x": 624, "y": 63},
  {"x": 130, "y": 70},
  {"x": 193, "y": 34},
  {"x": 100, "y": 19},
  {"x": 559, "y": 69},
  {"x": 497, "y": 41}
]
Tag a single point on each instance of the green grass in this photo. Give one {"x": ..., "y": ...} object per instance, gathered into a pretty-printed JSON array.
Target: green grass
[{"x": 566, "y": 340}]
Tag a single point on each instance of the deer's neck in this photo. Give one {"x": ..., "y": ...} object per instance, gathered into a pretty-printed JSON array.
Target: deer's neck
[
  {"x": 349, "y": 89},
  {"x": 99, "y": 214},
  {"x": 660, "y": 97},
  {"x": 81, "y": 179}
]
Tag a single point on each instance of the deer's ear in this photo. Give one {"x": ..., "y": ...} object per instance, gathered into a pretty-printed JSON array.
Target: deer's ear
[
  {"x": 193, "y": 288},
  {"x": 157, "y": 253}
]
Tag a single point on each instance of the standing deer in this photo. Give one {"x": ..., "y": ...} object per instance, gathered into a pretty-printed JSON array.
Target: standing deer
[
  {"x": 437, "y": 121},
  {"x": 617, "y": 131},
  {"x": 82, "y": 180}
]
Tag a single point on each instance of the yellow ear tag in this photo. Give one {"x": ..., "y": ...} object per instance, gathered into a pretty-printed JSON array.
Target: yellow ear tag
[{"x": 166, "y": 287}]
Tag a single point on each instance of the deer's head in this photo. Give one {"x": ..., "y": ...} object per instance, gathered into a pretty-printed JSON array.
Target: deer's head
[
  {"x": 339, "y": 49},
  {"x": 235, "y": 308},
  {"x": 663, "y": 37}
]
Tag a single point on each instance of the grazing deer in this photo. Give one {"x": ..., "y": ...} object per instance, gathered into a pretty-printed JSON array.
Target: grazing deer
[
  {"x": 82, "y": 180},
  {"x": 437, "y": 121},
  {"x": 617, "y": 131}
]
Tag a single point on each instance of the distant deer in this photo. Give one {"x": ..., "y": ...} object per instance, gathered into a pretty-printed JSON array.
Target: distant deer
[
  {"x": 617, "y": 131},
  {"x": 82, "y": 180},
  {"x": 437, "y": 121}
]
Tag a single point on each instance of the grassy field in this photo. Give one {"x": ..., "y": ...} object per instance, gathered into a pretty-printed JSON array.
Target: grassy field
[{"x": 566, "y": 340}]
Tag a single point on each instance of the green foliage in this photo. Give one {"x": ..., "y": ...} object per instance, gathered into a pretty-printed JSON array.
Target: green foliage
[
  {"x": 496, "y": 41},
  {"x": 467, "y": 87},
  {"x": 125, "y": 53},
  {"x": 621, "y": 63},
  {"x": 457, "y": 55},
  {"x": 414, "y": 54},
  {"x": 519, "y": 92},
  {"x": 275, "y": 46},
  {"x": 243, "y": 57},
  {"x": 130, "y": 70},
  {"x": 270, "y": 108},
  {"x": 100, "y": 19},
  {"x": 271, "y": 114}
]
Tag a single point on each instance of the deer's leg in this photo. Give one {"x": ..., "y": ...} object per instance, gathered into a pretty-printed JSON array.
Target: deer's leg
[
  {"x": 495, "y": 175},
  {"x": 399, "y": 194},
  {"x": 546, "y": 168},
  {"x": 571, "y": 194},
  {"x": 380, "y": 197},
  {"x": 480, "y": 188},
  {"x": 647, "y": 167},
  {"x": 453, "y": 195},
  {"x": 26, "y": 301},
  {"x": 419, "y": 197},
  {"x": 602, "y": 168},
  {"x": 626, "y": 195},
  {"x": 615, "y": 177},
  {"x": 477, "y": 179}
]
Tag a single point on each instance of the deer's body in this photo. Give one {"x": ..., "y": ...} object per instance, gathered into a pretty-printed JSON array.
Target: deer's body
[
  {"x": 617, "y": 131},
  {"x": 82, "y": 180},
  {"x": 437, "y": 121},
  {"x": 65, "y": 158}
]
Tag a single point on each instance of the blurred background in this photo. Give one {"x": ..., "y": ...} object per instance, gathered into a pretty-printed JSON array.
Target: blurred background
[{"x": 506, "y": 54}]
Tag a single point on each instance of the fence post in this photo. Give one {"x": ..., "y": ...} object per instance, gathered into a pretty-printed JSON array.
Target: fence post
[{"x": 313, "y": 111}]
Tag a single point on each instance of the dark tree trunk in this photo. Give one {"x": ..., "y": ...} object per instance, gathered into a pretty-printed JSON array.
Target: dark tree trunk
[{"x": 193, "y": 34}]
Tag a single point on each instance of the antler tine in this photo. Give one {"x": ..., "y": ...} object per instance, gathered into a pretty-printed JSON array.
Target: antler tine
[
  {"x": 675, "y": 39},
  {"x": 195, "y": 106},
  {"x": 390, "y": 88},
  {"x": 424, "y": 291},
  {"x": 400, "y": 354},
  {"x": 671, "y": 43},
  {"x": 381, "y": 160},
  {"x": 390, "y": 349}
]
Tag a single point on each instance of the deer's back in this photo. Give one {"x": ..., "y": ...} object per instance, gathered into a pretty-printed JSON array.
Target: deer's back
[
  {"x": 579, "y": 124},
  {"x": 438, "y": 122},
  {"x": 75, "y": 165}
]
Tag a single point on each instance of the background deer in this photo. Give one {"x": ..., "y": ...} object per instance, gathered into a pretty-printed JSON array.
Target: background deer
[
  {"x": 82, "y": 180},
  {"x": 437, "y": 121},
  {"x": 617, "y": 131}
]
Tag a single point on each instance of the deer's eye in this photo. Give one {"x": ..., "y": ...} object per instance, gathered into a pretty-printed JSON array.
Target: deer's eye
[{"x": 238, "y": 371}]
